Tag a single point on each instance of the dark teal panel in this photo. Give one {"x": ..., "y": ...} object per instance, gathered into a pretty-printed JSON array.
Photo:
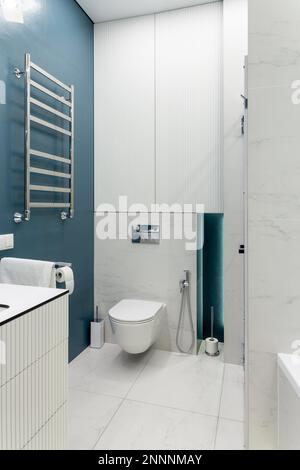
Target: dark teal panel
[
  {"x": 60, "y": 38},
  {"x": 213, "y": 275},
  {"x": 200, "y": 294}
]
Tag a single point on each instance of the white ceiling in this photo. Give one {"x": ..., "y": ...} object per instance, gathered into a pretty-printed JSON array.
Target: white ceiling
[{"x": 108, "y": 10}]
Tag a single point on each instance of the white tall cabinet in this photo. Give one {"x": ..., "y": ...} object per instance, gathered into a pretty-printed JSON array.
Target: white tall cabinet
[
  {"x": 188, "y": 97},
  {"x": 158, "y": 108},
  {"x": 124, "y": 111}
]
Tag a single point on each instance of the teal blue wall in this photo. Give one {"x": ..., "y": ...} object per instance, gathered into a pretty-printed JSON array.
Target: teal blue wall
[
  {"x": 211, "y": 278},
  {"x": 60, "y": 38}
]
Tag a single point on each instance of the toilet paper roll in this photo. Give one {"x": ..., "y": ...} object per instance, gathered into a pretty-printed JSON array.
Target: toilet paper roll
[
  {"x": 65, "y": 275},
  {"x": 212, "y": 347}
]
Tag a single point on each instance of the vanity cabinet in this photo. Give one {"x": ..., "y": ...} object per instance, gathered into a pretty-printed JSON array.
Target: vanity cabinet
[{"x": 33, "y": 369}]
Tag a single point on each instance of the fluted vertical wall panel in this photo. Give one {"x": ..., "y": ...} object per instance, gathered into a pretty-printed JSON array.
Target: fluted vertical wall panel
[
  {"x": 158, "y": 108},
  {"x": 33, "y": 382},
  {"x": 189, "y": 106},
  {"x": 124, "y": 111}
]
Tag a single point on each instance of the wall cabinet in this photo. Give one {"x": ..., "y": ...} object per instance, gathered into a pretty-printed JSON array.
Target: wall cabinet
[
  {"x": 124, "y": 111},
  {"x": 188, "y": 95},
  {"x": 158, "y": 108}
]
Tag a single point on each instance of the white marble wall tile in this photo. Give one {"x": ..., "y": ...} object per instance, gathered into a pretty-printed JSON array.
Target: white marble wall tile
[
  {"x": 272, "y": 114},
  {"x": 151, "y": 272},
  {"x": 274, "y": 266},
  {"x": 276, "y": 196},
  {"x": 262, "y": 401},
  {"x": 273, "y": 163},
  {"x": 274, "y": 222},
  {"x": 274, "y": 42}
]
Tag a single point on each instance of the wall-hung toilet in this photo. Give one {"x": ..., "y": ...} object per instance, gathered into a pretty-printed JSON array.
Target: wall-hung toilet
[{"x": 135, "y": 324}]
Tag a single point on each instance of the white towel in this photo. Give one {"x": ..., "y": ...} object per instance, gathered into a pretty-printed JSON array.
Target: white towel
[{"x": 27, "y": 272}]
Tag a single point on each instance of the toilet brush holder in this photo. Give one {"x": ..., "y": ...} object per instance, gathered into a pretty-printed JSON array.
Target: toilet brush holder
[
  {"x": 212, "y": 344},
  {"x": 97, "y": 332}
]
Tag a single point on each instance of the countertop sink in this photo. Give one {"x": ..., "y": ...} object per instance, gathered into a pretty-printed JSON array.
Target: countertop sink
[{"x": 17, "y": 300}]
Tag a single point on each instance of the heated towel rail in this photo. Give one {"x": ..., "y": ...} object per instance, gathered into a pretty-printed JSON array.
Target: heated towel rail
[{"x": 37, "y": 97}]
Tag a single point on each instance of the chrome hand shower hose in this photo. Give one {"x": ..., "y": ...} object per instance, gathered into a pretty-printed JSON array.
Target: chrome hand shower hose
[{"x": 185, "y": 291}]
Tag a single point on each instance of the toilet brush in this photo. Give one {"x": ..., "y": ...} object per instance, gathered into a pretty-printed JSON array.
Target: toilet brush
[
  {"x": 212, "y": 344},
  {"x": 97, "y": 331}
]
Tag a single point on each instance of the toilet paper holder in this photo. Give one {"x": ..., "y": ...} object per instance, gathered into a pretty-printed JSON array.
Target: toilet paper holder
[
  {"x": 63, "y": 265},
  {"x": 64, "y": 275},
  {"x": 59, "y": 265}
]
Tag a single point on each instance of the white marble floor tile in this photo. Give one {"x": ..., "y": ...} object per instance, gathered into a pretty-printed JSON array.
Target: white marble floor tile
[
  {"x": 142, "y": 426},
  {"x": 234, "y": 373},
  {"x": 88, "y": 415},
  {"x": 191, "y": 383},
  {"x": 87, "y": 361},
  {"x": 213, "y": 365},
  {"x": 230, "y": 435},
  {"x": 232, "y": 402},
  {"x": 114, "y": 373}
]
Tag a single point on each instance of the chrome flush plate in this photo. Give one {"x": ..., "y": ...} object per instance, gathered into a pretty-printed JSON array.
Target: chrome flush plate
[{"x": 146, "y": 234}]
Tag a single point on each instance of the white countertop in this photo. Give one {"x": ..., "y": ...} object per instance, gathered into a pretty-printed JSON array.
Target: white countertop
[
  {"x": 290, "y": 366},
  {"x": 22, "y": 299}
]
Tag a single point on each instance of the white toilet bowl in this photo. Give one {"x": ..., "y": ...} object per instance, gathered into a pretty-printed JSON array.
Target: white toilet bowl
[{"x": 135, "y": 324}]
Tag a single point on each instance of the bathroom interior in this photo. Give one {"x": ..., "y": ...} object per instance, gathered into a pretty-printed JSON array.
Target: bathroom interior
[{"x": 139, "y": 305}]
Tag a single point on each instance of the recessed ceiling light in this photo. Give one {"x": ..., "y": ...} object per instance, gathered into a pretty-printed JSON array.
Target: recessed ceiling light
[{"x": 12, "y": 11}]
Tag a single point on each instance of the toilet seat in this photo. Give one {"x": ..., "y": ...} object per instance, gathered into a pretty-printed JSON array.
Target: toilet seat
[
  {"x": 135, "y": 324},
  {"x": 135, "y": 311}
]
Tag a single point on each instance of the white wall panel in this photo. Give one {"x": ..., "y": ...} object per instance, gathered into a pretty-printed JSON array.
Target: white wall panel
[
  {"x": 124, "y": 111},
  {"x": 188, "y": 81}
]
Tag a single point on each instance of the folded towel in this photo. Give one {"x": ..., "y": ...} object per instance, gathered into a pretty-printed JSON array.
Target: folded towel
[{"x": 27, "y": 272}]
